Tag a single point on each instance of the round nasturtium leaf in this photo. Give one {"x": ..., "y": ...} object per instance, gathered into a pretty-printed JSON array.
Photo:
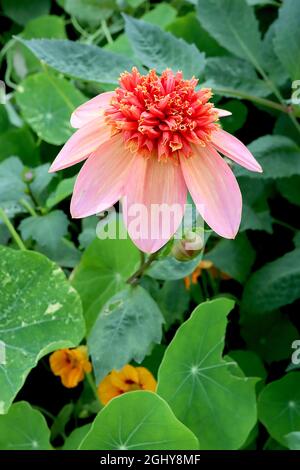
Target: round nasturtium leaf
[
  {"x": 102, "y": 272},
  {"x": 24, "y": 428},
  {"x": 279, "y": 405},
  {"x": 217, "y": 405},
  {"x": 47, "y": 103},
  {"x": 138, "y": 421},
  {"x": 39, "y": 313}
]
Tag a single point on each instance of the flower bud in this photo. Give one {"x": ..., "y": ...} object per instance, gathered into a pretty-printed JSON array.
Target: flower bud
[{"x": 189, "y": 247}]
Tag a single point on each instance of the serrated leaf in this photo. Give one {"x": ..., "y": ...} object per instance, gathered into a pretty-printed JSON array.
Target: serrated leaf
[
  {"x": 24, "y": 428},
  {"x": 274, "y": 285},
  {"x": 279, "y": 157},
  {"x": 160, "y": 50},
  {"x": 130, "y": 318},
  {"x": 233, "y": 77},
  {"x": 196, "y": 382},
  {"x": 47, "y": 103},
  {"x": 290, "y": 189},
  {"x": 278, "y": 406},
  {"x": 42, "y": 183},
  {"x": 287, "y": 37},
  {"x": 233, "y": 24},
  {"x": 36, "y": 302},
  {"x": 127, "y": 423},
  {"x": 83, "y": 61}
]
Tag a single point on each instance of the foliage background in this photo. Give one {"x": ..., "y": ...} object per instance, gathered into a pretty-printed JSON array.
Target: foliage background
[{"x": 225, "y": 372}]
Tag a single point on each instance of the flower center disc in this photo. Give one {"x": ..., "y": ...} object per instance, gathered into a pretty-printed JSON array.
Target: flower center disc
[{"x": 161, "y": 116}]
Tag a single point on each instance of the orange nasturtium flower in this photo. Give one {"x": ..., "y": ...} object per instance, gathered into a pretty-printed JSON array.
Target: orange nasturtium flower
[
  {"x": 70, "y": 365},
  {"x": 127, "y": 379},
  {"x": 208, "y": 265}
]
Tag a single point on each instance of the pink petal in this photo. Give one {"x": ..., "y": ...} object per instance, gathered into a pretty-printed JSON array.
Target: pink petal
[
  {"x": 83, "y": 142},
  {"x": 100, "y": 182},
  {"x": 222, "y": 112},
  {"x": 234, "y": 149},
  {"x": 214, "y": 190},
  {"x": 152, "y": 186},
  {"x": 91, "y": 109}
]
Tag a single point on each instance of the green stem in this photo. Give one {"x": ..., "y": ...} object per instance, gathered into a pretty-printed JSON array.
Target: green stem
[
  {"x": 16, "y": 237},
  {"x": 106, "y": 32},
  {"x": 255, "y": 99},
  {"x": 45, "y": 412},
  {"x": 28, "y": 207},
  {"x": 91, "y": 382},
  {"x": 144, "y": 266},
  {"x": 284, "y": 224}
]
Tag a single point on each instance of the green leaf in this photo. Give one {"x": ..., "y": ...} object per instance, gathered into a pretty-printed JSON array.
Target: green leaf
[
  {"x": 74, "y": 440},
  {"x": 290, "y": 189},
  {"x": 293, "y": 440},
  {"x": 296, "y": 239},
  {"x": 88, "y": 234},
  {"x": 24, "y": 428},
  {"x": 161, "y": 15},
  {"x": 47, "y": 103},
  {"x": 279, "y": 157},
  {"x": 160, "y": 50},
  {"x": 90, "y": 12},
  {"x": 173, "y": 300},
  {"x": 233, "y": 24},
  {"x": 138, "y": 421},
  {"x": 233, "y": 257},
  {"x": 36, "y": 302},
  {"x": 255, "y": 220},
  {"x": 169, "y": 268},
  {"x": 272, "y": 65},
  {"x": 63, "y": 253},
  {"x": 19, "y": 143},
  {"x": 42, "y": 183},
  {"x": 278, "y": 406},
  {"x": 287, "y": 37},
  {"x": 249, "y": 362},
  {"x": 188, "y": 28},
  {"x": 196, "y": 382},
  {"x": 274, "y": 285},
  {"x": 270, "y": 335},
  {"x": 22, "y": 11},
  {"x": 238, "y": 118},
  {"x": 20, "y": 58},
  {"x": 12, "y": 186},
  {"x": 4, "y": 120},
  {"x": 127, "y": 326},
  {"x": 46, "y": 230},
  {"x": 104, "y": 268},
  {"x": 83, "y": 61},
  {"x": 61, "y": 420},
  {"x": 233, "y": 77},
  {"x": 63, "y": 190}
]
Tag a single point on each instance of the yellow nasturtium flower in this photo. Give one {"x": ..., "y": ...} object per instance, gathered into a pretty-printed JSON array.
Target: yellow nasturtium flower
[
  {"x": 127, "y": 379},
  {"x": 70, "y": 365}
]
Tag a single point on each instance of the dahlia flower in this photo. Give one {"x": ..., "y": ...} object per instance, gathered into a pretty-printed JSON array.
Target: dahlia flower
[{"x": 149, "y": 142}]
